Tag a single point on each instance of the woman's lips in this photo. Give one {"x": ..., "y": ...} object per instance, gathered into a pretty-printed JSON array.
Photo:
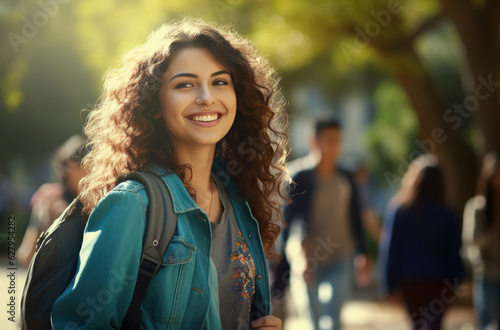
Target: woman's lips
[{"x": 205, "y": 119}]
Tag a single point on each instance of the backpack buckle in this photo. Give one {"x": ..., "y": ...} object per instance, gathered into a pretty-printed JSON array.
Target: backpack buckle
[{"x": 149, "y": 265}]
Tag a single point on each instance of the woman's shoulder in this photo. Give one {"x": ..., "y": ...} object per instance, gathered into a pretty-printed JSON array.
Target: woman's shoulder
[
  {"x": 133, "y": 189},
  {"x": 439, "y": 211},
  {"x": 132, "y": 186},
  {"x": 121, "y": 212},
  {"x": 127, "y": 193}
]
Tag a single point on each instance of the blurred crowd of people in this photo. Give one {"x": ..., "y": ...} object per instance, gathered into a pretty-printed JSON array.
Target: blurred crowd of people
[{"x": 422, "y": 254}]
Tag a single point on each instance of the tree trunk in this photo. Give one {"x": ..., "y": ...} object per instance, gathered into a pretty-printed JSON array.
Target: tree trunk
[
  {"x": 478, "y": 30},
  {"x": 437, "y": 135}
]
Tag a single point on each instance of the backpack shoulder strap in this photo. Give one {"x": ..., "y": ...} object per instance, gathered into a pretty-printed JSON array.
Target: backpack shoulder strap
[{"x": 160, "y": 229}]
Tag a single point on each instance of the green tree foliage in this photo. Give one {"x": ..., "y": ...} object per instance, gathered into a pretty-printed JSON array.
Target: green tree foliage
[
  {"x": 44, "y": 84},
  {"x": 393, "y": 35},
  {"x": 394, "y": 128}
]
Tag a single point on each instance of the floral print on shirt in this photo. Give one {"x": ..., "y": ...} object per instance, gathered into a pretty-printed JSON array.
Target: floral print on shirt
[{"x": 244, "y": 274}]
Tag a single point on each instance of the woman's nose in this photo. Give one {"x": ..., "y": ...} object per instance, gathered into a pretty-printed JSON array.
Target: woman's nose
[{"x": 205, "y": 96}]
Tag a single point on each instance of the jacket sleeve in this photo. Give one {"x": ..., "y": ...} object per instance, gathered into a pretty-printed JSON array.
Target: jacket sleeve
[
  {"x": 355, "y": 209},
  {"x": 299, "y": 194},
  {"x": 388, "y": 258},
  {"x": 292, "y": 213},
  {"x": 101, "y": 290}
]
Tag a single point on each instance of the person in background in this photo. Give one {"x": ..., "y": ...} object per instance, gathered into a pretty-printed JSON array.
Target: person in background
[
  {"x": 481, "y": 239},
  {"x": 420, "y": 245},
  {"x": 50, "y": 200},
  {"x": 325, "y": 202}
]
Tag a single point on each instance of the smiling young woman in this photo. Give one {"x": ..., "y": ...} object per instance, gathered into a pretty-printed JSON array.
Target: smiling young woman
[{"x": 183, "y": 105}]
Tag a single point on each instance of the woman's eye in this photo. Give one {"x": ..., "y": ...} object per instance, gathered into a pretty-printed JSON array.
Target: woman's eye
[
  {"x": 219, "y": 82},
  {"x": 183, "y": 85}
]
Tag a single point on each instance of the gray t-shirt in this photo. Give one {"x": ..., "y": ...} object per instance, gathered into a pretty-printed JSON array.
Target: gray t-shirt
[
  {"x": 329, "y": 238},
  {"x": 235, "y": 268}
]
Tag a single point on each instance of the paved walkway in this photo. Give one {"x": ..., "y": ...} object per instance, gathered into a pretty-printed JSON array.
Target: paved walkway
[
  {"x": 366, "y": 312},
  {"x": 382, "y": 316}
]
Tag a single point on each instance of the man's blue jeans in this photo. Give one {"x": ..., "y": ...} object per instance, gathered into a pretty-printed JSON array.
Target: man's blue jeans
[
  {"x": 487, "y": 302},
  {"x": 328, "y": 293}
]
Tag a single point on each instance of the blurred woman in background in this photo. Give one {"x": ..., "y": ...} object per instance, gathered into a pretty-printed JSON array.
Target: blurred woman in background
[
  {"x": 420, "y": 243},
  {"x": 50, "y": 200}
]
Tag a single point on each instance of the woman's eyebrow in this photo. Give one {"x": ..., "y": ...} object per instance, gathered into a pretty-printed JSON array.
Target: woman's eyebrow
[
  {"x": 183, "y": 74},
  {"x": 219, "y": 73},
  {"x": 192, "y": 75}
]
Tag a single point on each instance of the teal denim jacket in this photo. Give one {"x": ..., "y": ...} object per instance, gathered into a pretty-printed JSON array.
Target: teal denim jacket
[{"x": 184, "y": 292}]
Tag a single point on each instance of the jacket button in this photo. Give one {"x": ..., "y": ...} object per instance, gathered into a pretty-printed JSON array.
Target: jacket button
[
  {"x": 170, "y": 259},
  {"x": 250, "y": 236},
  {"x": 259, "y": 277}
]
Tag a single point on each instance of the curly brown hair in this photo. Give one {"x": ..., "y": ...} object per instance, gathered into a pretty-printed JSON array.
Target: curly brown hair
[{"x": 126, "y": 134}]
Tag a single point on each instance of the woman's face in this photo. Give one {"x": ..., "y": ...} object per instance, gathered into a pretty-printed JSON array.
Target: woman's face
[{"x": 197, "y": 99}]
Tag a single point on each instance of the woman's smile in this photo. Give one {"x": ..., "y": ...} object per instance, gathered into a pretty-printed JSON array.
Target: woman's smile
[{"x": 205, "y": 119}]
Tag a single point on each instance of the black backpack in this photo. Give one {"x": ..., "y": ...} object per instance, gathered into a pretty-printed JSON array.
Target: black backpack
[{"x": 54, "y": 263}]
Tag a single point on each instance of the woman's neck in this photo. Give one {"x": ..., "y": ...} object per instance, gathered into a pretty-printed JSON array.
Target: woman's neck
[{"x": 200, "y": 160}]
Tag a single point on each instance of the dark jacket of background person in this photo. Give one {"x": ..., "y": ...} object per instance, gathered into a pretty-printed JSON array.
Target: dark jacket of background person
[
  {"x": 302, "y": 195},
  {"x": 420, "y": 237},
  {"x": 421, "y": 241}
]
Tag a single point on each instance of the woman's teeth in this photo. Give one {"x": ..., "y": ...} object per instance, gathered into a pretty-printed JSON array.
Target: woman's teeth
[{"x": 205, "y": 117}]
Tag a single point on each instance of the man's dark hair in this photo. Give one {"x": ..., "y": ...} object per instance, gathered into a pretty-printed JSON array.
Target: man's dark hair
[{"x": 322, "y": 124}]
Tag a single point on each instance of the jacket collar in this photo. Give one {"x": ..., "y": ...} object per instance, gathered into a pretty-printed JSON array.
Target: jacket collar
[
  {"x": 220, "y": 169},
  {"x": 181, "y": 199}
]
